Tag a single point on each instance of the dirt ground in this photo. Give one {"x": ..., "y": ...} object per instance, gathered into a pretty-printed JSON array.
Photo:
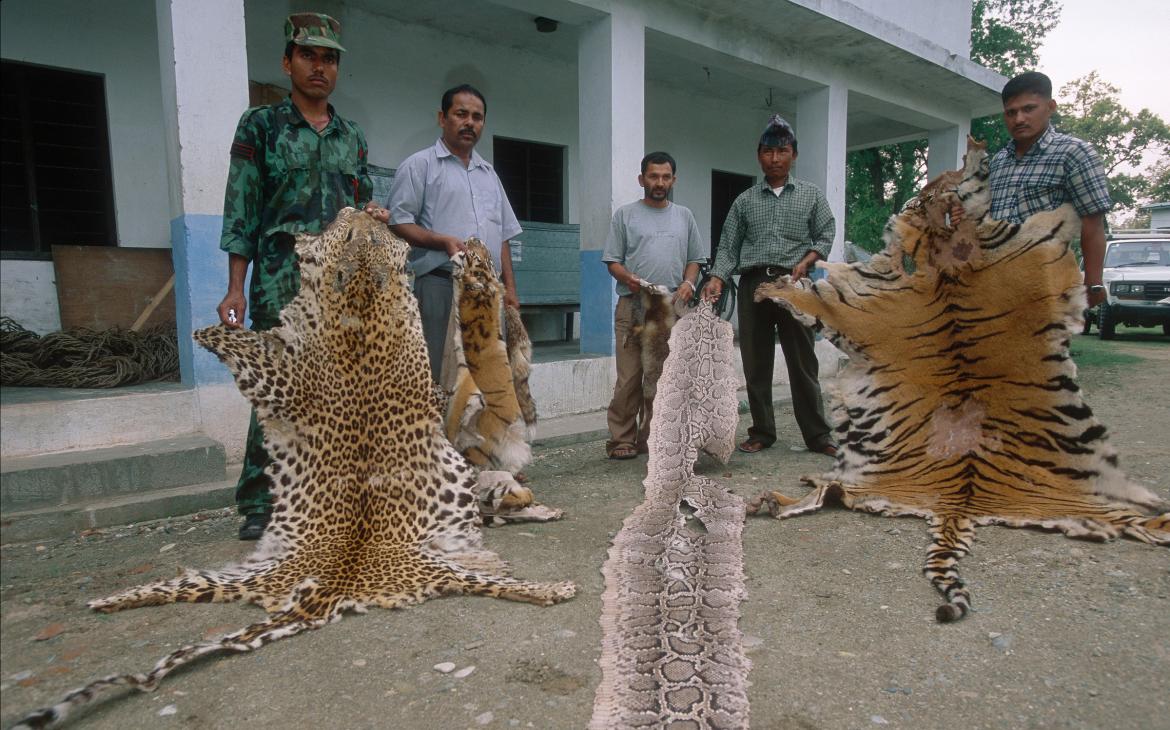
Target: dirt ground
[{"x": 839, "y": 622}]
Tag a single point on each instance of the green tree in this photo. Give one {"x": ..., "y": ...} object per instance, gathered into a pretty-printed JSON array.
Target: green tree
[
  {"x": 1005, "y": 36},
  {"x": 1090, "y": 108}
]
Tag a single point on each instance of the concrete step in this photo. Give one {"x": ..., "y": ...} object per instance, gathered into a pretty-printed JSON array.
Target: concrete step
[
  {"x": 61, "y": 521},
  {"x": 75, "y": 477},
  {"x": 47, "y": 420}
]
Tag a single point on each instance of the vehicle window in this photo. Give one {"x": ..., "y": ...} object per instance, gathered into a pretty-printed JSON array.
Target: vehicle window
[{"x": 1137, "y": 253}]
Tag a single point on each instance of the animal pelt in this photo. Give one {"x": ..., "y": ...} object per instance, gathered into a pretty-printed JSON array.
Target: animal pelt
[
  {"x": 959, "y": 403},
  {"x": 654, "y": 316},
  {"x": 484, "y": 419},
  {"x": 672, "y": 654},
  {"x": 520, "y": 360},
  {"x": 372, "y": 504},
  {"x": 487, "y": 418}
]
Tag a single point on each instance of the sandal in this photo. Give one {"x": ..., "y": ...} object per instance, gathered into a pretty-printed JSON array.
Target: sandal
[
  {"x": 621, "y": 453},
  {"x": 752, "y": 445}
]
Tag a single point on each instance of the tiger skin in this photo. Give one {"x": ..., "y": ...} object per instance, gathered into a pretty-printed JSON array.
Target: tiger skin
[
  {"x": 372, "y": 504},
  {"x": 489, "y": 409},
  {"x": 959, "y": 402}
]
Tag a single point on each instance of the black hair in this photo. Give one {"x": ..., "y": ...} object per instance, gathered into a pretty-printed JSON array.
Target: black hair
[
  {"x": 791, "y": 142},
  {"x": 658, "y": 158},
  {"x": 1030, "y": 82},
  {"x": 288, "y": 51},
  {"x": 449, "y": 97}
]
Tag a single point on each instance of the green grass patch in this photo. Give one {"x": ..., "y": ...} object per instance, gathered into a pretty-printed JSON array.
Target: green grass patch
[{"x": 1090, "y": 351}]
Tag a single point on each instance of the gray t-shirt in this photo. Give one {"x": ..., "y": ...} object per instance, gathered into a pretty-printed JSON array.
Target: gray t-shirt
[{"x": 656, "y": 244}]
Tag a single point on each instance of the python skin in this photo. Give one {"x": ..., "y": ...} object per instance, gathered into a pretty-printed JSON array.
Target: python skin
[{"x": 671, "y": 648}]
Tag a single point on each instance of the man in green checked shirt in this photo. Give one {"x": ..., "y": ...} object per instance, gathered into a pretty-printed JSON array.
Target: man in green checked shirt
[
  {"x": 780, "y": 226},
  {"x": 293, "y": 166}
]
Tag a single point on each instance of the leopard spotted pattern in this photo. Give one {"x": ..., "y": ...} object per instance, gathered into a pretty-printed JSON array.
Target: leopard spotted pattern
[
  {"x": 959, "y": 402},
  {"x": 372, "y": 505},
  {"x": 671, "y": 649}
]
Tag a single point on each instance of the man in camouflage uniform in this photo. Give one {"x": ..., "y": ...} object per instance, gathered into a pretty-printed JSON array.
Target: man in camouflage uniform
[{"x": 294, "y": 165}]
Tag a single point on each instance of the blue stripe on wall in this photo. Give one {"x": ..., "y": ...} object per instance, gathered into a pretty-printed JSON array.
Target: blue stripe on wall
[
  {"x": 200, "y": 283},
  {"x": 598, "y": 299}
]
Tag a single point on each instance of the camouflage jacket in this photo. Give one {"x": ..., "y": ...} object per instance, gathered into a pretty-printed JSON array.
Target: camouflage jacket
[{"x": 285, "y": 179}]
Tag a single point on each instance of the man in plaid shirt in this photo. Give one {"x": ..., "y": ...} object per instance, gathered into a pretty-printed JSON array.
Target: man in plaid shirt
[
  {"x": 1045, "y": 169},
  {"x": 780, "y": 226}
]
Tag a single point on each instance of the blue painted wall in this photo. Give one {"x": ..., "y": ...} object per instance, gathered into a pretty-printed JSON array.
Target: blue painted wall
[
  {"x": 598, "y": 299},
  {"x": 200, "y": 283}
]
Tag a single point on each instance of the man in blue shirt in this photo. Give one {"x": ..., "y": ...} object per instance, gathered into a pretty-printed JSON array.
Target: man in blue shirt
[{"x": 441, "y": 196}]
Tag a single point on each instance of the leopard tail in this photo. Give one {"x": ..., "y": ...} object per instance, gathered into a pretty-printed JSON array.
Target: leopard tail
[
  {"x": 290, "y": 621},
  {"x": 952, "y": 538}
]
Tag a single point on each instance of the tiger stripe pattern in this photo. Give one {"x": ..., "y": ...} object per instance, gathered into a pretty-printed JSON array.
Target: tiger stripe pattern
[{"x": 959, "y": 403}]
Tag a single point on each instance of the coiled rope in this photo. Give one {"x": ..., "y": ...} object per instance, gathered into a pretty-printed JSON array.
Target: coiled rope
[{"x": 85, "y": 358}]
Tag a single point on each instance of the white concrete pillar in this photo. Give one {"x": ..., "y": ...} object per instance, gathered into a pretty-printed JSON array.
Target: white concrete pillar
[
  {"x": 611, "y": 70},
  {"x": 204, "y": 68},
  {"x": 945, "y": 149},
  {"x": 820, "y": 132}
]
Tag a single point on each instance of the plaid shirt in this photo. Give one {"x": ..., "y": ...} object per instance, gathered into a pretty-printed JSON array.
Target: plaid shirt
[
  {"x": 765, "y": 230},
  {"x": 1057, "y": 169}
]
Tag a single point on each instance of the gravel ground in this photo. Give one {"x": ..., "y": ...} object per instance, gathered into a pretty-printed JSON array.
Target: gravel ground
[{"x": 839, "y": 622}]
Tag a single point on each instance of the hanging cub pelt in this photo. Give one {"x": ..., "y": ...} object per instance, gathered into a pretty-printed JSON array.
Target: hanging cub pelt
[
  {"x": 959, "y": 402},
  {"x": 654, "y": 317},
  {"x": 372, "y": 506},
  {"x": 485, "y": 420}
]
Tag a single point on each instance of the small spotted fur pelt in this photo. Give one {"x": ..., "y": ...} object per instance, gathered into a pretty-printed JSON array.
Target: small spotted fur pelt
[
  {"x": 959, "y": 402},
  {"x": 372, "y": 504},
  {"x": 671, "y": 653}
]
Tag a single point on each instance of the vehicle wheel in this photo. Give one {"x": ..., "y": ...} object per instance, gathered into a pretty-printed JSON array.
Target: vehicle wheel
[
  {"x": 1087, "y": 327},
  {"x": 1105, "y": 322}
]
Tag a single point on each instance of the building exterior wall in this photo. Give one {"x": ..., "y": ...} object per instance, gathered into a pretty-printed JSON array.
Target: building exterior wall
[
  {"x": 115, "y": 38},
  {"x": 944, "y": 22}
]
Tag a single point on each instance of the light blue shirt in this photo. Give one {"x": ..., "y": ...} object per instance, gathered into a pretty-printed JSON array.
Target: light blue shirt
[{"x": 433, "y": 189}]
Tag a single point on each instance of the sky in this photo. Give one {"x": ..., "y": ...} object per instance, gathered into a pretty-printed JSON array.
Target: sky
[{"x": 1126, "y": 41}]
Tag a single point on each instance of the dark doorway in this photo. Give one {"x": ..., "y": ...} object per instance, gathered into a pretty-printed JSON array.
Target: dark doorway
[{"x": 725, "y": 188}]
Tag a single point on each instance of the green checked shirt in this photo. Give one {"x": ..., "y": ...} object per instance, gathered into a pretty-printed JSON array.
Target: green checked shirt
[
  {"x": 765, "y": 230},
  {"x": 1057, "y": 169},
  {"x": 286, "y": 178}
]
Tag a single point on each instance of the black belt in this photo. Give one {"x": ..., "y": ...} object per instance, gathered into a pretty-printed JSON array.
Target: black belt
[
  {"x": 770, "y": 272},
  {"x": 441, "y": 273}
]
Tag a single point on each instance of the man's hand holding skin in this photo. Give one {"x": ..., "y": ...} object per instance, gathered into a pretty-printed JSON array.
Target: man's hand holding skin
[
  {"x": 684, "y": 292},
  {"x": 377, "y": 212},
  {"x": 234, "y": 301},
  {"x": 416, "y": 235},
  {"x": 800, "y": 271},
  {"x": 713, "y": 289},
  {"x": 625, "y": 276}
]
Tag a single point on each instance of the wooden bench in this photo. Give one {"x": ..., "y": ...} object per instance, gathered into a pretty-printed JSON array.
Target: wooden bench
[{"x": 546, "y": 259}]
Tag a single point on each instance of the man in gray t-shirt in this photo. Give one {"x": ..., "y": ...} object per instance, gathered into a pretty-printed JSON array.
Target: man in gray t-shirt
[{"x": 656, "y": 241}]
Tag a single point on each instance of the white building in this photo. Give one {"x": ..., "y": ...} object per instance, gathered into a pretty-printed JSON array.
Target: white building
[{"x": 616, "y": 78}]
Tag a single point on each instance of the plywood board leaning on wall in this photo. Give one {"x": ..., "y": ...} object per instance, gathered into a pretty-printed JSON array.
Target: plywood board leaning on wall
[{"x": 102, "y": 287}]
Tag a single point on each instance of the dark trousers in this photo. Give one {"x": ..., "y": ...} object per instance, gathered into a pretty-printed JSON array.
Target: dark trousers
[
  {"x": 759, "y": 325},
  {"x": 253, "y": 490},
  {"x": 434, "y": 292}
]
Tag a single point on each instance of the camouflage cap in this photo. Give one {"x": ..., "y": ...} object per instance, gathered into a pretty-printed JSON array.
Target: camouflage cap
[{"x": 313, "y": 29}]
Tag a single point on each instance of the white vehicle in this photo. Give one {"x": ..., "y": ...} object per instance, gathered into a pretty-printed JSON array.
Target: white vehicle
[{"x": 1137, "y": 284}]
